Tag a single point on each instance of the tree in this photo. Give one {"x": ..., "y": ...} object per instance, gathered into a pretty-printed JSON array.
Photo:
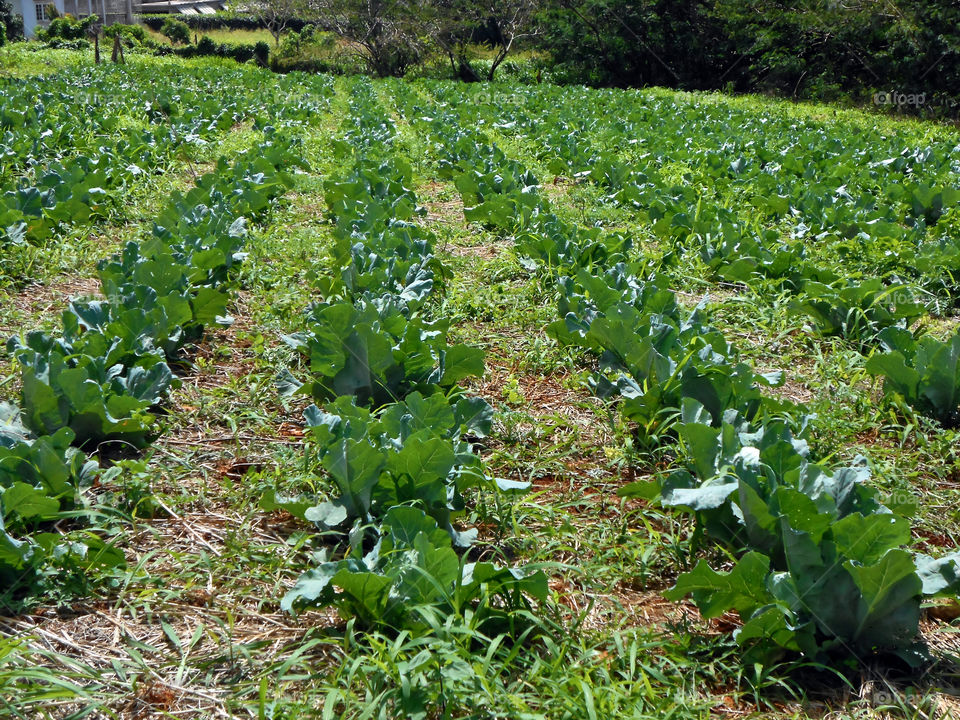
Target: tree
[
  {"x": 383, "y": 32},
  {"x": 176, "y": 31},
  {"x": 456, "y": 25},
  {"x": 637, "y": 42},
  {"x": 276, "y": 15},
  {"x": 449, "y": 25},
  {"x": 12, "y": 22},
  {"x": 508, "y": 21}
]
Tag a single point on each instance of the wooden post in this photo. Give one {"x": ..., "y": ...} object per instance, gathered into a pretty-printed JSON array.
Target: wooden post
[
  {"x": 117, "y": 54},
  {"x": 96, "y": 48}
]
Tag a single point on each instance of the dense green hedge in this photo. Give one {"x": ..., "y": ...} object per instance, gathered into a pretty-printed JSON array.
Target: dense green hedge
[
  {"x": 334, "y": 66},
  {"x": 207, "y": 47},
  {"x": 218, "y": 21}
]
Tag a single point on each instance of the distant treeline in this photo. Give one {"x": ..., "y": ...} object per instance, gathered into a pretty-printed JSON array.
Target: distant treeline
[{"x": 904, "y": 52}]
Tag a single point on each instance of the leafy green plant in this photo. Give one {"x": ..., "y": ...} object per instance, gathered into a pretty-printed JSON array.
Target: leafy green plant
[
  {"x": 821, "y": 567},
  {"x": 377, "y": 248},
  {"x": 737, "y": 256},
  {"x": 498, "y": 198},
  {"x": 40, "y": 482},
  {"x": 396, "y": 260},
  {"x": 858, "y": 311},
  {"x": 547, "y": 242},
  {"x": 924, "y": 372},
  {"x": 100, "y": 380},
  {"x": 412, "y": 454},
  {"x": 652, "y": 354},
  {"x": 108, "y": 369},
  {"x": 161, "y": 289},
  {"x": 66, "y": 167},
  {"x": 413, "y": 567},
  {"x": 375, "y": 353},
  {"x": 175, "y": 31},
  {"x": 371, "y": 195},
  {"x": 39, "y": 476},
  {"x": 95, "y": 395},
  {"x": 401, "y": 469},
  {"x": 585, "y": 296}
]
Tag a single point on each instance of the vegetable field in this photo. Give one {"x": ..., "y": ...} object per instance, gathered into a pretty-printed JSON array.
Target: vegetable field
[{"x": 341, "y": 398}]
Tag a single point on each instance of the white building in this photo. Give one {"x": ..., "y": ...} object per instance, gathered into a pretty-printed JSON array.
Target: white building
[{"x": 36, "y": 14}]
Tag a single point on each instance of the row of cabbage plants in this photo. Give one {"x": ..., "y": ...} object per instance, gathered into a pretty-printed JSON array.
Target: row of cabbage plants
[
  {"x": 396, "y": 431},
  {"x": 97, "y": 386},
  {"x": 819, "y": 565},
  {"x": 902, "y": 197},
  {"x": 73, "y": 144}
]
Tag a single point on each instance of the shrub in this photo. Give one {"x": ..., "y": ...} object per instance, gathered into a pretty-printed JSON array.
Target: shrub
[
  {"x": 67, "y": 32},
  {"x": 261, "y": 53},
  {"x": 60, "y": 44},
  {"x": 176, "y": 31},
  {"x": 310, "y": 50},
  {"x": 240, "y": 53},
  {"x": 206, "y": 46},
  {"x": 295, "y": 42},
  {"x": 218, "y": 21},
  {"x": 136, "y": 34},
  {"x": 290, "y": 43},
  {"x": 314, "y": 65}
]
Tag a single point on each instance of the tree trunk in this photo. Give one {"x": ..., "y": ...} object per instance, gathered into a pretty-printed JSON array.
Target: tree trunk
[
  {"x": 117, "y": 54},
  {"x": 453, "y": 63},
  {"x": 466, "y": 72},
  {"x": 96, "y": 49},
  {"x": 502, "y": 53}
]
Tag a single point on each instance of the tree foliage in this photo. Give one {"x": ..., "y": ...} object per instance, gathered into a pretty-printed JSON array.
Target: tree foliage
[
  {"x": 176, "y": 31},
  {"x": 12, "y": 22},
  {"x": 385, "y": 33},
  {"x": 805, "y": 48},
  {"x": 456, "y": 26},
  {"x": 277, "y": 15}
]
